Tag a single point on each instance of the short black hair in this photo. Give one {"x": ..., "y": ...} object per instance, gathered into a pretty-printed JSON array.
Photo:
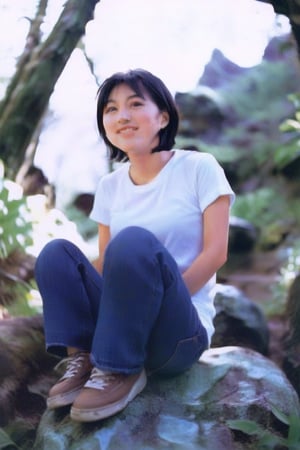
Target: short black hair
[{"x": 137, "y": 80}]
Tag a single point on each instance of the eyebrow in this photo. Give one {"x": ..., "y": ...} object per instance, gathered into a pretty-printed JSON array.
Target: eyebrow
[{"x": 111, "y": 100}]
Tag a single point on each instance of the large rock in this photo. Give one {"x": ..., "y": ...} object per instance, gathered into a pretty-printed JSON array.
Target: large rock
[
  {"x": 239, "y": 321},
  {"x": 25, "y": 371},
  {"x": 243, "y": 236},
  {"x": 201, "y": 113},
  {"x": 291, "y": 343},
  {"x": 235, "y": 113},
  {"x": 186, "y": 412},
  {"x": 220, "y": 71}
]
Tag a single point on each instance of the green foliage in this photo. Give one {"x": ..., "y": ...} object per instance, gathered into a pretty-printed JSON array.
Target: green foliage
[
  {"x": 293, "y": 261},
  {"x": 86, "y": 227},
  {"x": 5, "y": 441},
  {"x": 288, "y": 152},
  {"x": 255, "y": 207},
  {"x": 272, "y": 215},
  {"x": 268, "y": 209},
  {"x": 224, "y": 154},
  {"x": 258, "y": 145},
  {"x": 266, "y": 439},
  {"x": 15, "y": 226},
  {"x": 290, "y": 267},
  {"x": 24, "y": 305},
  {"x": 259, "y": 99},
  {"x": 15, "y": 234},
  {"x": 252, "y": 95}
]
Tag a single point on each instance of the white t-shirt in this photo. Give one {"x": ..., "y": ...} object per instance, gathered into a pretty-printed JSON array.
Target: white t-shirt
[{"x": 171, "y": 207}]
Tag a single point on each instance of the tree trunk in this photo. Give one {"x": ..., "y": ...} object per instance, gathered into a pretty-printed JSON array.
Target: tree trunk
[
  {"x": 291, "y": 9},
  {"x": 29, "y": 92}
]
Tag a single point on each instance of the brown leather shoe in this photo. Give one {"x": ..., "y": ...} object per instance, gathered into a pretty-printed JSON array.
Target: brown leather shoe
[
  {"x": 105, "y": 394},
  {"x": 67, "y": 388}
]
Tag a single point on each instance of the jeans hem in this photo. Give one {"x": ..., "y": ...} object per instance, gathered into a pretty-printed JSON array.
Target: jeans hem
[{"x": 109, "y": 367}]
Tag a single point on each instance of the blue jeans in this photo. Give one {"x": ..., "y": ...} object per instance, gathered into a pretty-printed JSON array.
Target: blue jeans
[{"x": 139, "y": 314}]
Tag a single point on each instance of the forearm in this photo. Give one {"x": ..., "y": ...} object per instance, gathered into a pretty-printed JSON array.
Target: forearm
[
  {"x": 201, "y": 270},
  {"x": 215, "y": 245}
]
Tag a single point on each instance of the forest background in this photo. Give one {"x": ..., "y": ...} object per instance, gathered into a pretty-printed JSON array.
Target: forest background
[
  {"x": 234, "y": 70},
  {"x": 53, "y": 58}
]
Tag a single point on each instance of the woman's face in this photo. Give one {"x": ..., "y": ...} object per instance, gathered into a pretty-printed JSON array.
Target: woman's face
[{"x": 131, "y": 122}]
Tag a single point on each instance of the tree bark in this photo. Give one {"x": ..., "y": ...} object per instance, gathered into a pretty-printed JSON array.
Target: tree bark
[
  {"x": 33, "y": 39},
  {"x": 38, "y": 70}
]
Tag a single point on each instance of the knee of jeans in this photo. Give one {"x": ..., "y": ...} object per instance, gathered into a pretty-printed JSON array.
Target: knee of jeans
[
  {"x": 51, "y": 251},
  {"x": 128, "y": 241}
]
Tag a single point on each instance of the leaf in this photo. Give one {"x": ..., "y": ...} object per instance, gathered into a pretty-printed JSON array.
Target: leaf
[
  {"x": 271, "y": 441},
  {"x": 5, "y": 440},
  {"x": 290, "y": 125},
  {"x": 279, "y": 414},
  {"x": 294, "y": 431},
  {"x": 266, "y": 439},
  {"x": 287, "y": 153},
  {"x": 295, "y": 99},
  {"x": 246, "y": 426}
]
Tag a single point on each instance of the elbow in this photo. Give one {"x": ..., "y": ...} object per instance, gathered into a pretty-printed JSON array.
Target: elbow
[
  {"x": 222, "y": 258},
  {"x": 98, "y": 264}
]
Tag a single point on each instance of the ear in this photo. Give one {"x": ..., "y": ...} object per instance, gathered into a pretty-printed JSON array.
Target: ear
[{"x": 165, "y": 119}]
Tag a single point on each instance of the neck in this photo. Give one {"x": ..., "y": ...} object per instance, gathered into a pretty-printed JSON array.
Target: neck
[{"x": 143, "y": 168}]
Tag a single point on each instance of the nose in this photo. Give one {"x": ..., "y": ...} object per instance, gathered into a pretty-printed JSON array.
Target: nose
[{"x": 124, "y": 115}]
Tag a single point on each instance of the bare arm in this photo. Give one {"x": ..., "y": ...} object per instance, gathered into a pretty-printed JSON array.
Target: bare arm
[
  {"x": 103, "y": 240},
  {"x": 215, "y": 245}
]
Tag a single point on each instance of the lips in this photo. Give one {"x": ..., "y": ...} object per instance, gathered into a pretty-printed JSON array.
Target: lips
[{"x": 126, "y": 129}]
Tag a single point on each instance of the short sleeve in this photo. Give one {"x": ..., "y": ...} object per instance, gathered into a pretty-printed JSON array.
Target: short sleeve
[
  {"x": 100, "y": 212},
  {"x": 211, "y": 182}
]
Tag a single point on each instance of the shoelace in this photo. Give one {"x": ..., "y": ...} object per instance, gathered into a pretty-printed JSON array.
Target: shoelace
[
  {"x": 99, "y": 379},
  {"x": 74, "y": 363}
]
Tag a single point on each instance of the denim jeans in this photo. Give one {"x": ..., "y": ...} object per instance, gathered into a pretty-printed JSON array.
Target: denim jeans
[{"x": 138, "y": 314}]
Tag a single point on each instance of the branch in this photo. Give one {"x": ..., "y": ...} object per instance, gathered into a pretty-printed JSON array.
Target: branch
[
  {"x": 33, "y": 39},
  {"x": 34, "y": 34},
  {"x": 30, "y": 96}
]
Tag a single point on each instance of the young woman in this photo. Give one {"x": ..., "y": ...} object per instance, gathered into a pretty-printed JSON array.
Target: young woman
[{"x": 163, "y": 233}]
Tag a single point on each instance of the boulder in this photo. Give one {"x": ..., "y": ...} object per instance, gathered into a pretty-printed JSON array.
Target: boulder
[
  {"x": 291, "y": 341},
  {"x": 190, "y": 411},
  {"x": 243, "y": 235},
  {"x": 209, "y": 116},
  {"x": 26, "y": 371},
  {"x": 239, "y": 321},
  {"x": 220, "y": 71}
]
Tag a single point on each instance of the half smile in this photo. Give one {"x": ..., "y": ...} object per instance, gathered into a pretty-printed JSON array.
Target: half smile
[{"x": 127, "y": 129}]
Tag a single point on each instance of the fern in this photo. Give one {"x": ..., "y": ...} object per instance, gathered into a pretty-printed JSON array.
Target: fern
[
  {"x": 15, "y": 235},
  {"x": 290, "y": 150},
  {"x": 15, "y": 225},
  {"x": 266, "y": 439}
]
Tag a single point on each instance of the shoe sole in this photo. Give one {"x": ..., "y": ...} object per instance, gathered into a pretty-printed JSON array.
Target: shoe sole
[
  {"x": 60, "y": 400},
  {"x": 91, "y": 415}
]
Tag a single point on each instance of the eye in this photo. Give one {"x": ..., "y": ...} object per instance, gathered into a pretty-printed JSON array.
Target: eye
[
  {"x": 137, "y": 103},
  {"x": 109, "y": 109}
]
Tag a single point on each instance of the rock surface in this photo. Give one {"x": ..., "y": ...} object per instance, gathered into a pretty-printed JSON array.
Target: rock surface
[
  {"x": 25, "y": 371},
  {"x": 189, "y": 411},
  {"x": 239, "y": 321}
]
